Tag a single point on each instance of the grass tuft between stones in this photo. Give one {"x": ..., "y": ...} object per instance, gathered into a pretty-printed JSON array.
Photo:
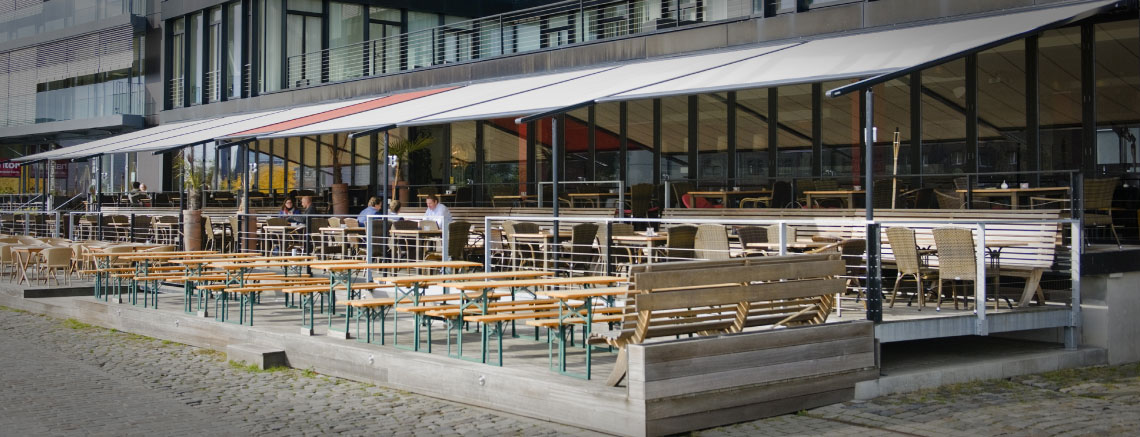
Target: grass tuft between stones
[
  {"x": 75, "y": 324},
  {"x": 252, "y": 368}
]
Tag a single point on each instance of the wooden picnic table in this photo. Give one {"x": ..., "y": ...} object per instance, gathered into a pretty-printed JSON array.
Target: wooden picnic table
[
  {"x": 534, "y": 286},
  {"x": 341, "y": 273},
  {"x": 413, "y": 287},
  {"x": 569, "y": 314}
]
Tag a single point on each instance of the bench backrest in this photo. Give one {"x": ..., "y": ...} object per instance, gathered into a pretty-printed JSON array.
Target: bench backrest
[{"x": 730, "y": 295}]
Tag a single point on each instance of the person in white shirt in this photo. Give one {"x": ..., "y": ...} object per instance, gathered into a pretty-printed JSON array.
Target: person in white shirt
[{"x": 436, "y": 211}]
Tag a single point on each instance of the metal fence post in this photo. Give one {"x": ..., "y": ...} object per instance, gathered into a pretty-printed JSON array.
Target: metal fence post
[
  {"x": 486, "y": 244},
  {"x": 368, "y": 246},
  {"x": 783, "y": 238},
  {"x": 444, "y": 231},
  {"x": 609, "y": 247},
  {"x": 1073, "y": 331},
  {"x": 980, "y": 282},
  {"x": 874, "y": 273}
]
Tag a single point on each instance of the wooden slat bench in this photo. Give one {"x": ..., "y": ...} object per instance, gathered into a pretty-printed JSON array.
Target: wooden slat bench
[{"x": 725, "y": 297}]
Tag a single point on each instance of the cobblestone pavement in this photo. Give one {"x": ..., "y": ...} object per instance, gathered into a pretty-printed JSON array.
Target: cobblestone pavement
[
  {"x": 1088, "y": 401},
  {"x": 61, "y": 377}
]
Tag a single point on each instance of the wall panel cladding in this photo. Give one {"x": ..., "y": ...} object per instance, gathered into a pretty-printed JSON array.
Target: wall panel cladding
[
  {"x": 710, "y": 381},
  {"x": 22, "y": 70}
]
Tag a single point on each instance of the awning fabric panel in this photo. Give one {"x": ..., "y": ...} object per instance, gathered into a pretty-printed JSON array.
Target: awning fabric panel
[
  {"x": 862, "y": 55},
  {"x": 339, "y": 112},
  {"x": 188, "y": 130},
  {"x": 606, "y": 83},
  {"x": 129, "y": 137},
  {"x": 227, "y": 129},
  {"x": 433, "y": 104}
]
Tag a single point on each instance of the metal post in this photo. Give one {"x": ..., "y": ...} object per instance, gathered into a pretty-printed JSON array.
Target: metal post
[
  {"x": 874, "y": 274},
  {"x": 868, "y": 158},
  {"x": 783, "y": 238},
  {"x": 555, "y": 151},
  {"x": 487, "y": 245},
  {"x": 387, "y": 168},
  {"x": 980, "y": 282},
  {"x": 368, "y": 235},
  {"x": 1073, "y": 331},
  {"x": 245, "y": 190}
]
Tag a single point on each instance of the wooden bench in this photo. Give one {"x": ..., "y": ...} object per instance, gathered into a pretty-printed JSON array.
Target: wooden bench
[{"x": 670, "y": 300}]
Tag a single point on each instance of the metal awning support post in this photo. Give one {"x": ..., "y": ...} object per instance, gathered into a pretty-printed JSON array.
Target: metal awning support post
[
  {"x": 244, "y": 195},
  {"x": 874, "y": 266},
  {"x": 555, "y": 148},
  {"x": 98, "y": 183}
]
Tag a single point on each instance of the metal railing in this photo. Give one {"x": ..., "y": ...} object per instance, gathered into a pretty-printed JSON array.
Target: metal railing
[
  {"x": 572, "y": 255},
  {"x": 164, "y": 229},
  {"x": 34, "y": 223},
  {"x": 559, "y": 24}
]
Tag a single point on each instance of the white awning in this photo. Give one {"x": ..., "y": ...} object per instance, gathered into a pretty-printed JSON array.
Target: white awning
[
  {"x": 868, "y": 54},
  {"x": 469, "y": 95},
  {"x": 149, "y": 134},
  {"x": 181, "y": 134},
  {"x": 588, "y": 88}
]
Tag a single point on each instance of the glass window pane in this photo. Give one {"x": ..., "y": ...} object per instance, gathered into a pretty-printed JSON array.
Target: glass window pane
[
  {"x": 675, "y": 139},
  {"x": 1059, "y": 61},
  {"x": 752, "y": 136},
  {"x": 639, "y": 159},
  {"x": 712, "y": 143},
  {"x": 944, "y": 118},
  {"x": 271, "y": 40},
  {"x": 794, "y": 134},
  {"x": 504, "y": 157},
  {"x": 1001, "y": 111},
  {"x": 607, "y": 141},
  {"x": 1117, "y": 91}
]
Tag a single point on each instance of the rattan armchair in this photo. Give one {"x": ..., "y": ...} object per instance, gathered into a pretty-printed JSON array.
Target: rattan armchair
[
  {"x": 752, "y": 234},
  {"x": 1098, "y": 204},
  {"x": 712, "y": 242},
  {"x": 908, "y": 263},
  {"x": 957, "y": 261},
  {"x": 679, "y": 243}
]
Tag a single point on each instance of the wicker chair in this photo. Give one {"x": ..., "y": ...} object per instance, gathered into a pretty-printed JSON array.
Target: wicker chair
[
  {"x": 402, "y": 246},
  {"x": 522, "y": 252},
  {"x": 782, "y": 196},
  {"x": 907, "y": 262},
  {"x": 1098, "y": 204},
  {"x": 458, "y": 233},
  {"x": 957, "y": 261},
  {"x": 752, "y": 234},
  {"x": 582, "y": 253},
  {"x": 680, "y": 242},
  {"x": 712, "y": 242},
  {"x": 641, "y": 201},
  {"x": 949, "y": 199}
]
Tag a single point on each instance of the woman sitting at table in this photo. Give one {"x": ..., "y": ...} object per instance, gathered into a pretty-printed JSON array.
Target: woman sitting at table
[{"x": 288, "y": 210}]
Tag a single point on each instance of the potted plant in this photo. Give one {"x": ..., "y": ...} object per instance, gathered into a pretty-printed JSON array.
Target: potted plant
[
  {"x": 401, "y": 148},
  {"x": 194, "y": 182}
]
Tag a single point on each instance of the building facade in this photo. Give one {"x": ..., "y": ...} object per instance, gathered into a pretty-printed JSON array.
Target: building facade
[{"x": 1037, "y": 109}]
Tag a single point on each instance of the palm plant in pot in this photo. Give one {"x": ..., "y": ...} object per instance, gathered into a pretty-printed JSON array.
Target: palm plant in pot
[
  {"x": 401, "y": 148},
  {"x": 194, "y": 182}
]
